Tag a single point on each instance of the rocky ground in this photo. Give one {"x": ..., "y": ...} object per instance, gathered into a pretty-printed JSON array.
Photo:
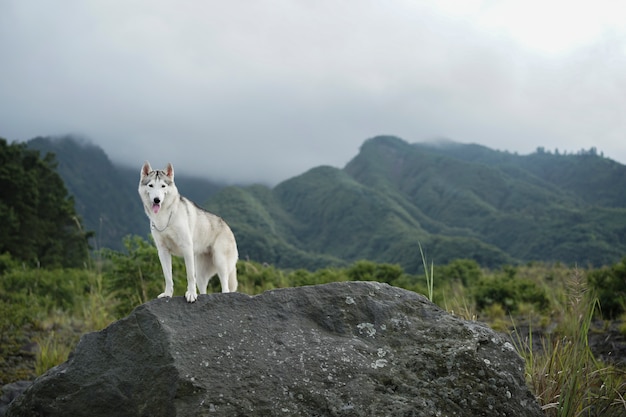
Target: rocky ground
[
  {"x": 606, "y": 340},
  {"x": 350, "y": 349}
]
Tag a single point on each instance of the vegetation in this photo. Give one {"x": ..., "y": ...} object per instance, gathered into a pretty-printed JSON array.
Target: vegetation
[
  {"x": 425, "y": 211},
  {"x": 39, "y": 225},
  {"x": 610, "y": 285},
  {"x": 459, "y": 201},
  {"x": 49, "y": 309},
  {"x": 566, "y": 377}
]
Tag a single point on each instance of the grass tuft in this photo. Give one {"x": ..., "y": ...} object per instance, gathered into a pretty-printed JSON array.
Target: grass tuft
[
  {"x": 53, "y": 350},
  {"x": 564, "y": 374}
]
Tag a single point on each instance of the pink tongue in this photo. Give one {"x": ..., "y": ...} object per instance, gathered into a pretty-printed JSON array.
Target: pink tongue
[{"x": 155, "y": 208}]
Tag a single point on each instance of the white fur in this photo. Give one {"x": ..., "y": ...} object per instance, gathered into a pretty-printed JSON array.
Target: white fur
[{"x": 181, "y": 228}]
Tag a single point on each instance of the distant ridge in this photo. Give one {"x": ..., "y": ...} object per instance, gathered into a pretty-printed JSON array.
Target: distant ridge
[{"x": 456, "y": 200}]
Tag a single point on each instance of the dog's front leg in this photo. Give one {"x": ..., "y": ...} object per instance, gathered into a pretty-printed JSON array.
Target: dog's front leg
[
  {"x": 190, "y": 265},
  {"x": 166, "y": 263}
]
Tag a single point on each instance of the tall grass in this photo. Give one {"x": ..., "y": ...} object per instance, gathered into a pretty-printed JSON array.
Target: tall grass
[
  {"x": 564, "y": 374},
  {"x": 53, "y": 350},
  {"x": 98, "y": 305},
  {"x": 455, "y": 300},
  {"x": 61, "y": 305}
]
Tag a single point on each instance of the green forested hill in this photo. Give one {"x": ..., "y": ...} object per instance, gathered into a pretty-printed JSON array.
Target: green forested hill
[
  {"x": 104, "y": 195},
  {"x": 531, "y": 207},
  {"x": 584, "y": 174},
  {"x": 457, "y": 200}
]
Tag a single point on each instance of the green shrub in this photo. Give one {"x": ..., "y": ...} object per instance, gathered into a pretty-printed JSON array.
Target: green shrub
[
  {"x": 609, "y": 283},
  {"x": 56, "y": 288},
  {"x": 7, "y": 262},
  {"x": 300, "y": 277},
  {"x": 327, "y": 275},
  {"x": 372, "y": 271},
  {"x": 467, "y": 271},
  {"x": 135, "y": 276},
  {"x": 509, "y": 291},
  {"x": 14, "y": 315},
  {"x": 254, "y": 278}
]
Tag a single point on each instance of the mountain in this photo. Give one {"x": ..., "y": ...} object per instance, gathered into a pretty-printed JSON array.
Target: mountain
[
  {"x": 533, "y": 207},
  {"x": 105, "y": 194},
  {"x": 455, "y": 200}
]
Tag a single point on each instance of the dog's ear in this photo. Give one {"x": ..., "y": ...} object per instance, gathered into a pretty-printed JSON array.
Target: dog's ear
[
  {"x": 146, "y": 169},
  {"x": 169, "y": 171}
]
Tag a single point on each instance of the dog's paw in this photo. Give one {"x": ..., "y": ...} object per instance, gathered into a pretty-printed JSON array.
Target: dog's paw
[
  {"x": 191, "y": 296},
  {"x": 165, "y": 295}
]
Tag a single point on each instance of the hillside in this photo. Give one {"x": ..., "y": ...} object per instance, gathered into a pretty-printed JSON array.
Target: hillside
[
  {"x": 457, "y": 200},
  {"x": 531, "y": 207}
]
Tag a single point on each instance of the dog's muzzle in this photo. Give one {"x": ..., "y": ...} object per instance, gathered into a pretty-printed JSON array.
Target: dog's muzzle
[{"x": 156, "y": 205}]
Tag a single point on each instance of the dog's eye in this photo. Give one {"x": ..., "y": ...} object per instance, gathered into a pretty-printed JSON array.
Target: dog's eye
[
  {"x": 163, "y": 186},
  {"x": 150, "y": 185}
]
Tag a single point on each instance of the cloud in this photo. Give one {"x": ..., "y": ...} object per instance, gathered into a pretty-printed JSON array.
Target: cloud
[{"x": 264, "y": 90}]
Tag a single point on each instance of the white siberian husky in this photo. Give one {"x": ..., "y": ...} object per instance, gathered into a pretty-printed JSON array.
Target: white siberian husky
[{"x": 182, "y": 228}]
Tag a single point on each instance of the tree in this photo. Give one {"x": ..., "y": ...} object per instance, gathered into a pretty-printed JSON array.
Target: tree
[{"x": 40, "y": 225}]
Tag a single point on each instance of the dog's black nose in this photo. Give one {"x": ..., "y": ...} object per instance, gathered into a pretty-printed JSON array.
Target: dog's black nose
[{"x": 157, "y": 200}]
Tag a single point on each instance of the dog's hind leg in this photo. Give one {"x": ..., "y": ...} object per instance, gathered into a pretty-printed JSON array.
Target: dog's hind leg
[
  {"x": 222, "y": 272},
  {"x": 228, "y": 277},
  {"x": 232, "y": 279},
  {"x": 223, "y": 275},
  {"x": 202, "y": 280},
  {"x": 204, "y": 271}
]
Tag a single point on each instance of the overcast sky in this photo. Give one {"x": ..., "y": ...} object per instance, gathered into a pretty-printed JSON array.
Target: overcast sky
[{"x": 260, "y": 90}]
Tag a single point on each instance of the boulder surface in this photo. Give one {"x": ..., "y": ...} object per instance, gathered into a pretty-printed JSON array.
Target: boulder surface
[{"x": 340, "y": 349}]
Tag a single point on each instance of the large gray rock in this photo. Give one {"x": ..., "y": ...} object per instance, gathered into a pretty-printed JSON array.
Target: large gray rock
[{"x": 342, "y": 349}]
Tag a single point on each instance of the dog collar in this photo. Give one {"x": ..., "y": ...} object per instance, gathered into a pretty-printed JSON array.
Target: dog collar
[{"x": 154, "y": 227}]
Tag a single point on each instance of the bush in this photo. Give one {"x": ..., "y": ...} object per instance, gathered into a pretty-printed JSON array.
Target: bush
[
  {"x": 371, "y": 271},
  {"x": 52, "y": 289},
  {"x": 135, "y": 276},
  {"x": 6, "y": 262},
  {"x": 609, "y": 284},
  {"x": 254, "y": 278},
  {"x": 467, "y": 271},
  {"x": 509, "y": 291}
]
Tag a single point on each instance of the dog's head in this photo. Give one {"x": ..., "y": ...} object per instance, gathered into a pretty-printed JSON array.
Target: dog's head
[{"x": 154, "y": 185}]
